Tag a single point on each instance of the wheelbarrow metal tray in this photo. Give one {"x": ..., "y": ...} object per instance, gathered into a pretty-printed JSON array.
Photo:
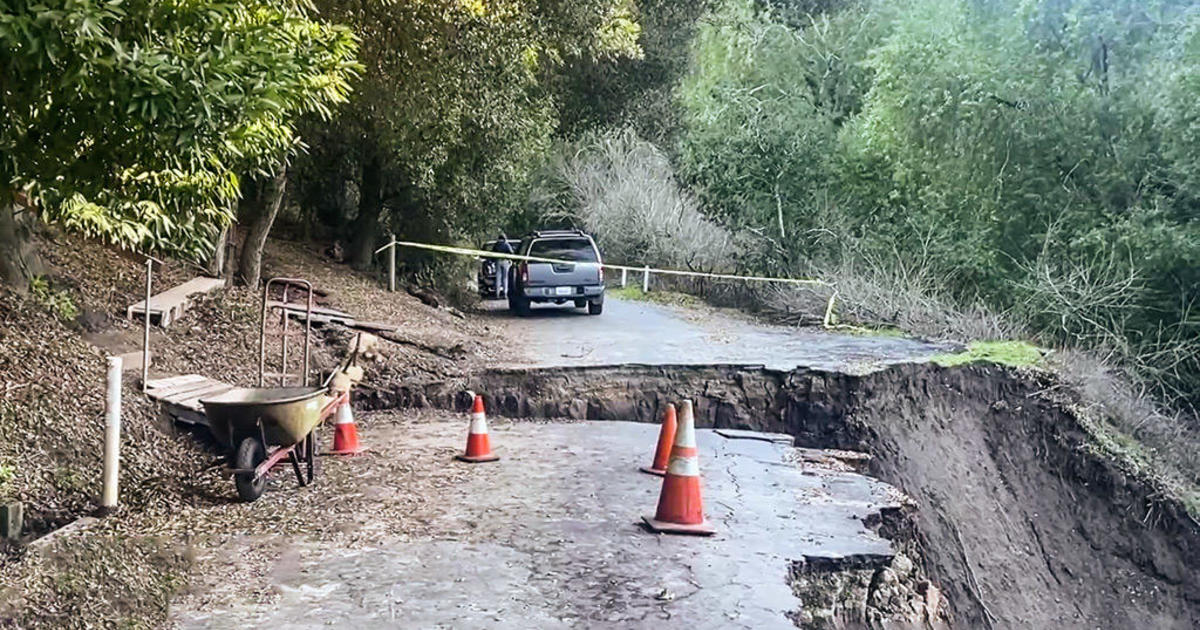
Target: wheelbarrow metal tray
[{"x": 288, "y": 414}]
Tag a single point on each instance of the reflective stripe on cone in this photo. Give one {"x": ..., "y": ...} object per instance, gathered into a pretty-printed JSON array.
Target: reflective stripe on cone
[
  {"x": 345, "y": 432},
  {"x": 479, "y": 447}
]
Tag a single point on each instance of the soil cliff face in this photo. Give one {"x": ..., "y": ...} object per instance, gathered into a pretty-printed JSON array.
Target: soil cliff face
[{"x": 1019, "y": 519}]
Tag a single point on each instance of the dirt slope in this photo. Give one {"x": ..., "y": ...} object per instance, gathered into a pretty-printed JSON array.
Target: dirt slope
[
  {"x": 1023, "y": 521},
  {"x": 52, "y": 361}
]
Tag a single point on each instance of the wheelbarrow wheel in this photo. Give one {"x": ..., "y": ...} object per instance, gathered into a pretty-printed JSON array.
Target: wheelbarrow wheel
[{"x": 249, "y": 455}]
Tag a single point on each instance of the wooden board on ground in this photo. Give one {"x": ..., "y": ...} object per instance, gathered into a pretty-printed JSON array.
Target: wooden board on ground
[
  {"x": 181, "y": 395},
  {"x": 322, "y": 315},
  {"x": 169, "y": 305}
]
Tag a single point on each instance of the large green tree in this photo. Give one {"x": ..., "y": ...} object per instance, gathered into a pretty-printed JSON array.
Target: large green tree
[
  {"x": 455, "y": 107},
  {"x": 131, "y": 120}
]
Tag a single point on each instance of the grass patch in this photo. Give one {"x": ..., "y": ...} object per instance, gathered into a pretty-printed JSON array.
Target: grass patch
[
  {"x": 885, "y": 331},
  {"x": 1010, "y": 353},
  {"x": 670, "y": 298}
]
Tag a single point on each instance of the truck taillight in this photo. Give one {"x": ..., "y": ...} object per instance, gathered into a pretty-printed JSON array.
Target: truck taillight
[
  {"x": 524, "y": 272},
  {"x": 601, "y": 274}
]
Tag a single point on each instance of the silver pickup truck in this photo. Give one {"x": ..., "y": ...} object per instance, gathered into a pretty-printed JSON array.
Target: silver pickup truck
[{"x": 579, "y": 279}]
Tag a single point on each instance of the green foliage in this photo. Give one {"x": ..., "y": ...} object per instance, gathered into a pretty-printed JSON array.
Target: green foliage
[
  {"x": 633, "y": 90},
  {"x": 762, "y": 108},
  {"x": 456, "y": 101},
  {"x": 59, "y": 302},
  {"x": 131, "y": 119},
  {"x": 1034, "y": 155},
  {"x": 1010, "y": 353}
]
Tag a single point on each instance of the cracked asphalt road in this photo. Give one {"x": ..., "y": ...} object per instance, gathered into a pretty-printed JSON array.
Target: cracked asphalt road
[
  {"x": 549, "y": 537},
  {"x": 654, "y": 334}
]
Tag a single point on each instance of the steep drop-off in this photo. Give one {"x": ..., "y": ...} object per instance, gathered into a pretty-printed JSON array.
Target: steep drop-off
[{"x": 1021, "y": 520}]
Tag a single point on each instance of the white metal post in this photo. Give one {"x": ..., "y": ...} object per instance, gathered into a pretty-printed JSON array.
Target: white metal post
[
  {"x": 646, "y": 279},
  {"x": 146, "y": 325},
  {"x": 392, "y": 265},
  {"x": 624, "y": 276},
  {"x": 112, "y": 435}
]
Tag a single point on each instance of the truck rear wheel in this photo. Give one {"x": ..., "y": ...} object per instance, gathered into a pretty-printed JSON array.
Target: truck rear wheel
[{"x": 595, "y": 307}]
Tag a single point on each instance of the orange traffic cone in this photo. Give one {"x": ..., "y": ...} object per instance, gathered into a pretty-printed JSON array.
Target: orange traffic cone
[
  {"x": 666, "y": 437},
  {"x": 680, "y": 508},
  {"x": 479, "y": 448},
  {"x": 345, "y": 433}
]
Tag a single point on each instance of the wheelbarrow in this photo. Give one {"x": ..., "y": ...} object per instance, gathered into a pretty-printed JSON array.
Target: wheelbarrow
[
  {"x": 259, "y": 427},
  {"x": 262, "y": 426}
]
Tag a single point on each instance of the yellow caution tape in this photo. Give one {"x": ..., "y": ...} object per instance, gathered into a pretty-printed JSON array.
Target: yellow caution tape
[{"x": 671, "y": 272}]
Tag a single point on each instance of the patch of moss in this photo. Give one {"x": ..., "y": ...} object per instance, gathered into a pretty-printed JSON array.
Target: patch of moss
[
  {"x": 1010, "y": 353},
  {"x": 670, "y": 298}
]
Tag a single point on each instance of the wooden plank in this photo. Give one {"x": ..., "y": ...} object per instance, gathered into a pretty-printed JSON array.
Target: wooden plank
[
  {"x": 171, "y": 304},
  {"x": 299, "y": 307},
  {"x": 180, "y": 396},
  {"x": 373, "y": 326},
  {"x": 180, "y": 391},
  {"x": 210, "y": 388},
  {"x": 179, "y": 293},
  {"x": 330, "y": 316},
  {"x": 215, "y": 389},
  {"x": 168, "y": 393},
  {"x": 159, "y": 383}
]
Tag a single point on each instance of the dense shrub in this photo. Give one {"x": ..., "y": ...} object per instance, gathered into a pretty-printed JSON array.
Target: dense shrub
[
  {"x": 623, "y": 189},
  {"x": 1034, "y": 156}
]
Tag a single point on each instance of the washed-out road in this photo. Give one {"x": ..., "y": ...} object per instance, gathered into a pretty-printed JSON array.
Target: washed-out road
[
  {"x": 654, "y": 334},
  {"x": 550, "y": 535}
]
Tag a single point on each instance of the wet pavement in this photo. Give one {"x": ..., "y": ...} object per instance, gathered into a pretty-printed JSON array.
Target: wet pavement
[
  {"x": 549, "y": 537},
  {"x": 654, "y": 334}
]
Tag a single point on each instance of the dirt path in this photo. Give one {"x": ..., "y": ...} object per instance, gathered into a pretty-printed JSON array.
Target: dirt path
[
  {"x": 642, "y": 332},
  {"x": 548, "y": 537}
]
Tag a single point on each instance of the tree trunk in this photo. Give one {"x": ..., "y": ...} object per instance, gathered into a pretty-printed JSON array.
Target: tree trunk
[
  {"x": 218, "y": 259},
  {"x": 269, "y": 199},
  {"x": 365, "y": 231},
  {"x": 19, "y": 262}
]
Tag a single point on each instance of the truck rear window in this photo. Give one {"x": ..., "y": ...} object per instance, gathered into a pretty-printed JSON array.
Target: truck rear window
[{"x": 575, "y": 249}]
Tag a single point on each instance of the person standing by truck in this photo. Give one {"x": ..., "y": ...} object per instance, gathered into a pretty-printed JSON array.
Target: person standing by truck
[{"x": 502, "y": 265}]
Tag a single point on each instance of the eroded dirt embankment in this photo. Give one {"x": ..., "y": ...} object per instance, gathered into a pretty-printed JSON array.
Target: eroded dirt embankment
[{"x": 1019, "y": 519}]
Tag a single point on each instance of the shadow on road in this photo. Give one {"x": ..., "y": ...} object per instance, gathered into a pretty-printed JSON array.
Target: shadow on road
[{"x": 498, "y": 309}]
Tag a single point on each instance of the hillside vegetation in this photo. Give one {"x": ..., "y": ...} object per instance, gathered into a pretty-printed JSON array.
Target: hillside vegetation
[{"x": 1024, "y": 160}]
